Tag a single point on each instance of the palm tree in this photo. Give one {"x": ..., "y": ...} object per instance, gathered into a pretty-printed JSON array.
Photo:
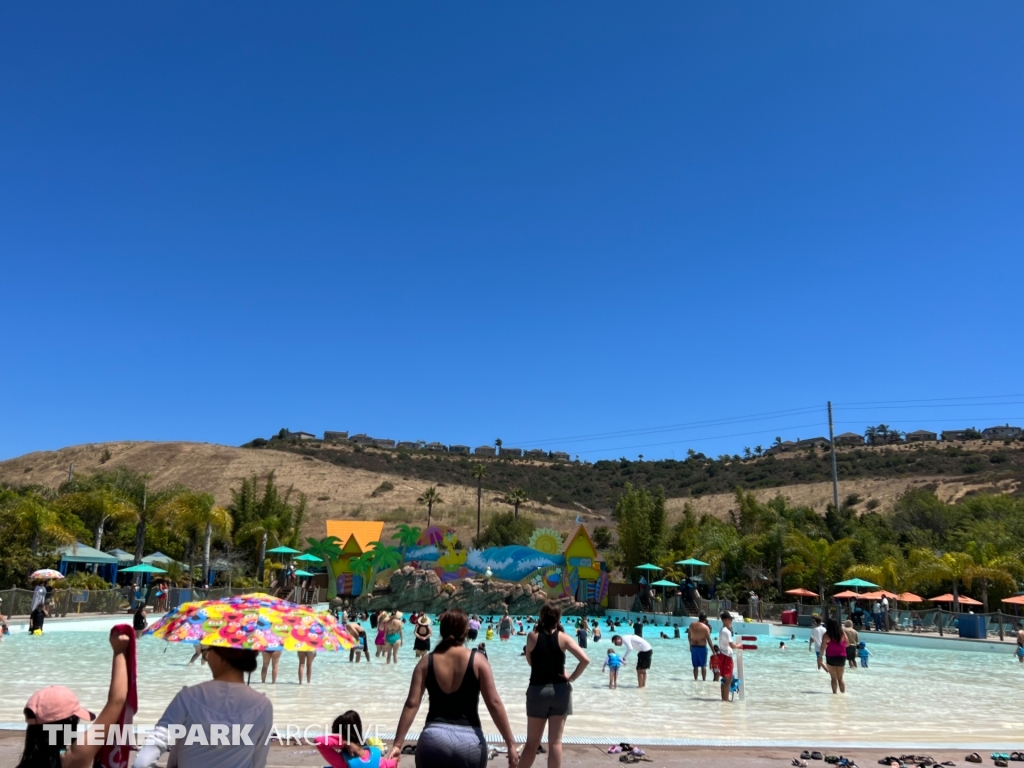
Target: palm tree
[
  {"x": 498, "y": 444},
  {"x": 991, "y": 567},
  {"x": 430, "y": 497},
  {"x": 41, "y": 522},
  {"x": 327, "y": 549},
  {"x": 97, "y": 507},
  {"x": 871, "y": 433},
  {"x": 406, "y": 536},
  {"x": 778, "y": 440},
  {"x": 514, "y": 498},
  {"x": 820, "y": 557},
  {"x": 951, "y": 566},
  {"x": 758, "y": 450},
  {"x": 893, "y": 573},
  {"x": 191, "y": 511},
  {"x": 263, "y": 530},
  {"x": 479, "y": 472}
]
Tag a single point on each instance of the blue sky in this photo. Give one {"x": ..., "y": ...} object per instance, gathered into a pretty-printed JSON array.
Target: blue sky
[{"x": 465, "y": 221}]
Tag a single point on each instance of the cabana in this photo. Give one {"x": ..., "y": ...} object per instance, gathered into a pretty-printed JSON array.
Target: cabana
[{"x": 73, "y": 555}]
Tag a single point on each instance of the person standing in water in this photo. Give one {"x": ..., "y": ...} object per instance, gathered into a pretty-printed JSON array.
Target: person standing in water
[
  {"x": 644, "y": 652},
  {"x": 393, "y": 637},
  {"x": 421, "y": 644},
  {"x": 505, "y": 626},
  {"x": 270, "y": 659},
  {"x": 698, "y": 634},
  {"x": 726, "y": 656},
  {"x": 817, "y": 635},
  {"x": 852, "y": 638},
  {"x": 582, "y": 629},
  {"x": 835, "y": 654},
  {"x": 1020, "y": 642}
]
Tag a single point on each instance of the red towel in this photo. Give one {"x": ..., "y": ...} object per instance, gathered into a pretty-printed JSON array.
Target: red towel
[{"x": 120, "y": 755}]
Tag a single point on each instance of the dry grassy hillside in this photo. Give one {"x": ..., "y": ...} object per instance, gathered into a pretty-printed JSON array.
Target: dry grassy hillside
[{"x": 333, "y": 492}]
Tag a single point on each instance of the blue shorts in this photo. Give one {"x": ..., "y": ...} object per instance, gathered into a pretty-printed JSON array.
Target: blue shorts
[
  {"x": 699, "y": 656},
  {"x": 1020, "y": 651}
]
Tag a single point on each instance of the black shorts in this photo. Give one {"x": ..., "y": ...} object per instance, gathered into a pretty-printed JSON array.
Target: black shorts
[
  {"x": 835, "y": 661},
  {"x": 546, "y": 701},
  {"x": 643, "y": 659},
  {"x": 471, "y": 635},
  {"x": 851, "y": 653}
]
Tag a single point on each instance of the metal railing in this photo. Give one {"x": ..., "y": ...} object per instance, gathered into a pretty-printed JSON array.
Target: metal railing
[{"x": 65, "y": 602}]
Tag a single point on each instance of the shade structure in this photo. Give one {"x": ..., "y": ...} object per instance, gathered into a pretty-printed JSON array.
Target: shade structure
[
  {"x": 81, "y": 553},
  {"x": 690, "y": 561},
  {"x": 158, "y": 558},
  {"x": 649, "y": 567},
  {"x": 856, "y": 583},
  {"x": 846, "y": 595},
  {"x": 948, "y": 598},
  {"x": 910, "y": 597},
  {"x": 143, "y": 568},
  {"x": 47, "y": 574},
  {"x": 1016, "y": 600},
  {"x": 801, "y": 592},
  {"x": 282, "y": 551},
  {"x": 878, "y": 595},
  {"x": 124, "y": 558},
  {"x": 256, "y": 622},
  {"x": 308, "y": 558},
  {"x": 302, "y": 573},
  {"x": 663, "y": 583}
]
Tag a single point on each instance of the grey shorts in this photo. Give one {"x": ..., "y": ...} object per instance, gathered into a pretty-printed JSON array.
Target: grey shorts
[
  {"x": 451, "y": 746},
  {"x": 546, "y": 701}
]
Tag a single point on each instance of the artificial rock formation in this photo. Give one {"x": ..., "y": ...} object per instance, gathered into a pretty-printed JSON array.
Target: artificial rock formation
[{"x": 413, "y": 589}]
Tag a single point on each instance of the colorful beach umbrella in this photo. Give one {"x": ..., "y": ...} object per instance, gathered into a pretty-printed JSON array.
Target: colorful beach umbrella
[
  {"x": 143, "y": 568},
  {"x": 257, "y": 622},
  {"x": 46, "y": 574}
]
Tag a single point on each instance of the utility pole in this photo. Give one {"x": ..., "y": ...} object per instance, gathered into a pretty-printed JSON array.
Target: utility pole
[
  {"x": 835, "y": 475},
  {"x": 71, "y": 471}
]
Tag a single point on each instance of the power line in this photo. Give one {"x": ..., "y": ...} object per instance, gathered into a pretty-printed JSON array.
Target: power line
[
  {"x": 939, "y": 405},
  {"x": 929, "y": 400}
]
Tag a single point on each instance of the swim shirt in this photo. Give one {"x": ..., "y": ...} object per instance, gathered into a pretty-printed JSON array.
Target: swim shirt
[
  {"x": 725, "y": 642},
  {"x": 634, "y": 643},
  {"x": 817, "y": 635}
]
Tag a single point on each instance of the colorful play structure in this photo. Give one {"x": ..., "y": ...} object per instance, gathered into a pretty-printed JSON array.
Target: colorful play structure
[{"x": 567, "y": 567}]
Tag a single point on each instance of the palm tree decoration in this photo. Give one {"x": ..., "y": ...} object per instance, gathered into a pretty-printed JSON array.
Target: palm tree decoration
[
  {"x": 479, "y": 472},
  {"x": 514, "y": 498},
  {"x": 327, "y": 549},
  {"x": 41, "y": 522},
  {"x": 383, "y": 558},
  {"x": 191, "y": 511},
  {"x": 430, "y": 497},
  {"x": 820, "y": 557},
  {"x": 406, "y": 536}
]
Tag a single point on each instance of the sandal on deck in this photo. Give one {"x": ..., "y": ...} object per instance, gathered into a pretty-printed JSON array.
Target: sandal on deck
[{"x": 974, "y": 757}]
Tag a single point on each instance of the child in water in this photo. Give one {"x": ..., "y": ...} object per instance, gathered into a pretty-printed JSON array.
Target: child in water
[
  {"x": 863, "y": 653},
  {"x": 782, "y": 646},
  {"x": 612, "y": 663},
  {"x": 490, "y": 632},
  {"x": 716, "y": 664},
  {"x": 345, "y": 746}
]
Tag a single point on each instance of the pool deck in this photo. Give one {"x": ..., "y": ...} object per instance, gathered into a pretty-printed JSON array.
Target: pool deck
[{"x": 575, "y": 756}]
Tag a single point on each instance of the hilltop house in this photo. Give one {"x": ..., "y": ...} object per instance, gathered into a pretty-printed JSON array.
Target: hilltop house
[
  {"x": 407, "y": 445},
  {"x": 335, "y": 437},
  {"x": 921, "y": 436},
  {"x": 1002, "y": 433},
  {"x": 785, "y": 445},
  {"x": 361, "y": 439},
  {"x": 485, "y": 450},
  {"x": 811, "y": 442},
  {"x": 458, "y": 450},
  {"x": 849, "y": 438},
  {"x": 955, "y": 434},
  {"x": 435, "y": 447},
  {"x": 537, "y": 453},
  {"x": 560, "y": 456},
  {"x": 511, "y": 453},
  {"x": 355, "y": 536},
  {"x": 301, "y": 436},
  {"x": 379, "y": 442}
]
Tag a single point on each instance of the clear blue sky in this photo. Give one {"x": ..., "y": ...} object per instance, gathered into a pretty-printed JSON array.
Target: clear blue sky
[{"x": 465, "y": 221}]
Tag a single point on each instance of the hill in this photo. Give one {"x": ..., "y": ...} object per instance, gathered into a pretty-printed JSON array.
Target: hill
[{"x": 368, "y": 483}]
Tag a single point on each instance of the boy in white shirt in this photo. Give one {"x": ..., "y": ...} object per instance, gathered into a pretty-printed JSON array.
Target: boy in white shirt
[
  {"x": 726, "y": 647},
  {"x": 817, "y": 635}
]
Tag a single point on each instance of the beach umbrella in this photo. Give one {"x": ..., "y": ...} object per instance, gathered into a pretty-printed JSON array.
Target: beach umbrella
[
  {"x": 308, "y": 558},
  {"x": 801, "y": 592},
  {"x": 302, "y": 573},
  {"x": 691, "y": 562},
  {"x": 910, "y": 597},
  {"x": 879, "y": 595},
  {"x": 256, "y": 622},
  {"x": 663, "y": 583},
  {"x": 1016, "y": 600},
  {"x": 46, "y": 574},
  {"x": 143, "y": 568},
  {"x": 948, "y": 598},
  {"x": 282, "y": 551},
  {"x": 649, "y": 567},
  {"x": 856, "y": 583},
  {"x": 846, "y": 595}
]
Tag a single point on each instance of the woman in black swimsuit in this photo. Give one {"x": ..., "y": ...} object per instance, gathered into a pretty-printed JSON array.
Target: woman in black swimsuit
[
  {"x": 455, "y": 678},
  {"x": 423, "y": 632}
]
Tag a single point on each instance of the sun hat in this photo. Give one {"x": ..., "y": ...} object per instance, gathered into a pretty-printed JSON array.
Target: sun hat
[
  {"x": 397, "y": 615},
  {"x": 56, "y": 703},
  {"x": 424, "y": 620}
]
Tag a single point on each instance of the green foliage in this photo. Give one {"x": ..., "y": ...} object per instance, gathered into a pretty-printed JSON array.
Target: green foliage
[
  {"x": 383, "y": 488},
  {"x": 640, "y": 523},
  {"x": 84, "y": 580},
  {"x": 505, "y": 529},
  {"x": 602, "y": 537}
]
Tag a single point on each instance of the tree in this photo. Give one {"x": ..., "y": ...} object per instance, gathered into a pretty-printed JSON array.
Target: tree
[
  {"x": 640, "y": 523},
  {"x": 498, "y": 444},
  {"x": 198, "y": 512},
  {"x": 930, "y": 568},
  {"x": 328, "y": 549},
  {"x": 41, "y": 523},
  {"x": 266, "y": 517},
  {"x": 97, "y": 507},
  {"x": 479, "y": 472},
  {"x": 504, "y": 530},
  {"x": 893, "y": 573},
  {"x": 758, "y": 450},
  {"x": 820, "y": 557},
  {"x": 991, "y": 568},
  {"x": 602, "y": 537},
  {"x": 778, "y": 440},
  {"x": 747, "y": 453},
  {"x": 514, "y": 498},
  {"x": 429, "y": 498}
]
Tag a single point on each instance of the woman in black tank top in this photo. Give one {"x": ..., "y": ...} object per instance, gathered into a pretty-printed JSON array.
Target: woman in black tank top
[
  {"x": 454, "y": 678},
  {"x": 549, "y": 696}
]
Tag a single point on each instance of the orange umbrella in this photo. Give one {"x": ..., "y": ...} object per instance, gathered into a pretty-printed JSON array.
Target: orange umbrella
[
  {"x": 801, "y": 592},
  {"x": 948, "y": 598},
  {"x": 910, "y": 597},
  {"x": 1018, "y": 600},
  {"x": 879, "y": 595},
  {"x": 847, "y": 595}
]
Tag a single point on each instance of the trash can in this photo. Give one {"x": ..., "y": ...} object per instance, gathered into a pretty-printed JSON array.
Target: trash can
[
  {"x": 972, "y": 625},
  {"x": 789, "y": 617}
]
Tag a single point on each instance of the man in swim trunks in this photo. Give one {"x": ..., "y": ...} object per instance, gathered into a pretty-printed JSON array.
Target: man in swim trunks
[
  {"x": 699, "y": 635},
  {"x": 644, "y": 651},
  {"x": 728, "y": 649}
]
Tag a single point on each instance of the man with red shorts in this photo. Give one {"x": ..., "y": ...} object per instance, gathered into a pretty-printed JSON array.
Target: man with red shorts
[{"x": 726, "y": 647}]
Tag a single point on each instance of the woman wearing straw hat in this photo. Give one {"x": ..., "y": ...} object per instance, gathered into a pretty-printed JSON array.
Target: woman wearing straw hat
[{"x": 423, "y": 632}]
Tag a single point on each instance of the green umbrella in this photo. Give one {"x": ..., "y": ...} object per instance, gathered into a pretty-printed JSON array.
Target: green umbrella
[
  {"x": 143, "y": 568},
  {"x": 691, "y": 561},
  {"x": 663, "y": 583},
  {"x": 302, "y": 573},
  {"x": 856, "y": 583},
  {"x": 308, "y": 558},
  {"x": 649, "y": 567},
  {"x": 282, "y": 551}
]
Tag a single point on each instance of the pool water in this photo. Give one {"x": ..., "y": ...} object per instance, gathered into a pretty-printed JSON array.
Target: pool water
[{"x": 908, "y": 696}]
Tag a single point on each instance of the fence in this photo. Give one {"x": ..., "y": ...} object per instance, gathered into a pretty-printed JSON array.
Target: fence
[{"x": 64, "y": 602}]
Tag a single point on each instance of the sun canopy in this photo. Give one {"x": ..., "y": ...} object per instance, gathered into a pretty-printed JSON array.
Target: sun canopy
[
  {"x": 690, "y": 561},
  {"x": 948, "y": 598},
  {"x": 879, "y": 595},
  {"x": 80, "y": 553},
  {"x": 845, "y": 595},
  {"x": 158, "y": 557},
  {"x": 282, "y": 551},
  {"x": 663, "y": 583},
  {"x": 308, "y": 558},
  {"x": 801, "y": 592},
  {"x": 856, "y": 583},
  {"x": 143, "y": 568},
  {"x": 910, "y": 597},
  {"x": 303, "y": 573},
  {"x": 1018, "y": 600},
  {"x": 648, "y": 567},
  {"x": 124, "y": 558}
]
